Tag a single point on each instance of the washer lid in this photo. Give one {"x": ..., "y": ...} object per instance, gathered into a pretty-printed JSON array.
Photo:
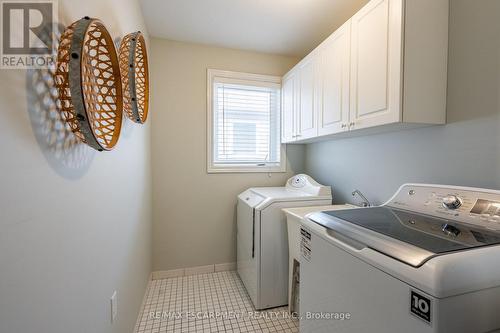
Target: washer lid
[{"x": 407, "y": 236}]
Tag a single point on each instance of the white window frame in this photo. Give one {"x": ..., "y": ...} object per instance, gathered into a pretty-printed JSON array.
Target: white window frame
[{"x": 241, "y": 78}]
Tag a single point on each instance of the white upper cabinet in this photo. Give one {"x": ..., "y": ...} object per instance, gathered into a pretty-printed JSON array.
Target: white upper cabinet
[
  {"x": 306, "y": 113},
  {"x": 288, "y": 100},
  {"x": 386, "y": 66},
  {"x": 376, "y": 64},
  {"x": 333, "y": 87},
  {"x": 299, "y": 102}
]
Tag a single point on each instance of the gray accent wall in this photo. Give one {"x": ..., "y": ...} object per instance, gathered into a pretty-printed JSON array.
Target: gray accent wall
[{"x": 465, "y": 152}]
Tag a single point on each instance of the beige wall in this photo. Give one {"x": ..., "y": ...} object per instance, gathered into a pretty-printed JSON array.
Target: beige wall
[
  {"x": 194, "y": 212},
  {"x": 75, "y": 225}
]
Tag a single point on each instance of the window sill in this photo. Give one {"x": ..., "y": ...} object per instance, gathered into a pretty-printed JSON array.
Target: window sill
[{"x": 245, "y": 169}]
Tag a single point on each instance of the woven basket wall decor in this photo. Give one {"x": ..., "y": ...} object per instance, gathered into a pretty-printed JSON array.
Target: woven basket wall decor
[
  {"x": 135, "y": 76},
  {"x": 89, "y": 83}
]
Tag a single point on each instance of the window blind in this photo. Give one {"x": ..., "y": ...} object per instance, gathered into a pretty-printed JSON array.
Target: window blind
[{"x": 246, "y": 125}]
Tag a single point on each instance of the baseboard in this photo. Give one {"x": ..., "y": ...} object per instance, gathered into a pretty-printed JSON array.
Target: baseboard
[{"x": 158, "y": 275}]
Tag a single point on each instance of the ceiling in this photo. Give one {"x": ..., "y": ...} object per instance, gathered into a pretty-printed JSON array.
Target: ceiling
[{"x": 288, "y": 27}]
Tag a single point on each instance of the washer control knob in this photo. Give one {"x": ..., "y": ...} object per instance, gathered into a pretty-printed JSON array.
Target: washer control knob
[
  {"x": 452, "y": 201},
  {"x": 450, "y": 230}
]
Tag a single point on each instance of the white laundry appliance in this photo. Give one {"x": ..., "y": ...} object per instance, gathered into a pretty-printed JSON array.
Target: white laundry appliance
[
  {"x": 293, "y": 217},
  {"x": 426, "y": 261},
  {"x": 262, "y": 242}
]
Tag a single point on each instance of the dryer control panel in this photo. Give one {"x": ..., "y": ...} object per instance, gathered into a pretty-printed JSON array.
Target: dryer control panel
[
  {"x": 474, "y": 206},
  {"x": 306, "y": 184},
  {"x": 298, "y": 181}
]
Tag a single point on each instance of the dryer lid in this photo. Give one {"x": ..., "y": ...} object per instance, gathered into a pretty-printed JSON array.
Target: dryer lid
[{"x": 279, "y": 193}]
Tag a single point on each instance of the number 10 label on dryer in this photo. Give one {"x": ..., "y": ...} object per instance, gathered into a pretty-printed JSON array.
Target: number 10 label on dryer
[
  {"x": 420, "y": 306},
  {"x": 305, "y": 244}
]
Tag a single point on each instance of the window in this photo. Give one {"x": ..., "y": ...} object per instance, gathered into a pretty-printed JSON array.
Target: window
[{"x": 244, "y": 123}]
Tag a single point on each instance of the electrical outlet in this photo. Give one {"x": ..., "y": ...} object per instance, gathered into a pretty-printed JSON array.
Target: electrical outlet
[{"x": 114, "y": 307}]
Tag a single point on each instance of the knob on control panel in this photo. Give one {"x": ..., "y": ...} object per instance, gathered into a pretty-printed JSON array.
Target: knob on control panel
[
  {"x": 452, "y": 202},
  {"x": 450, "y": 230}
]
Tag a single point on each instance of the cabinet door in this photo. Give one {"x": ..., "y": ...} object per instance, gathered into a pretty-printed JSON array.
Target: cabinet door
[
  {"x": 307, "y": 125},
  {"x": 376, "y": 68},
  {"x": 333, "y": 112},
  {"x": 288, "y": 100}
]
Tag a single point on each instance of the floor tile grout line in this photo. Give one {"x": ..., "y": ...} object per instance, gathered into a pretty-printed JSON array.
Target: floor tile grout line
[{"x": 206, "y": 293}]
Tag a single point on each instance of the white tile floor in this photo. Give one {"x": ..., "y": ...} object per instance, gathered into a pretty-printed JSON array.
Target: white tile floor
[{"x": 214, "y": 302}]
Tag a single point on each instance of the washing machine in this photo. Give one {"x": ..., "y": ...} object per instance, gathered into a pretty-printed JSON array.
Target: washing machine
[
  {"x": 262, "y": 242},
  {"x": 427, "y": 261}
]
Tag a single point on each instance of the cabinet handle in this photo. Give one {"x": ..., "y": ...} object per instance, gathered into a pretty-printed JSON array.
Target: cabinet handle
[
  {"x": 344, "y": 125},
  {"x": 298, "y": 135},
  {"x": 351, "y": 124}
]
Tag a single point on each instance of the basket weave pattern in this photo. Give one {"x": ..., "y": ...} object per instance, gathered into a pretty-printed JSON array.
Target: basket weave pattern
[
  {"x": 140, "y": 70},
  {"x": 100, "y": 84},
  {"x": 62, "y": 82}
]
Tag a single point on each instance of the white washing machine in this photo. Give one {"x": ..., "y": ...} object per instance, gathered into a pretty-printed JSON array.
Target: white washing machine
[
  {"x": 262, "y": 242},
  {"x": 426, "y": 261}
]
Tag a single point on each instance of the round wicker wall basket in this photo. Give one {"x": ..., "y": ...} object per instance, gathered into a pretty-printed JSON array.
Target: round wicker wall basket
[
  {"x": 135, "y": 76},
  {"x": 89, "y": 83}
]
